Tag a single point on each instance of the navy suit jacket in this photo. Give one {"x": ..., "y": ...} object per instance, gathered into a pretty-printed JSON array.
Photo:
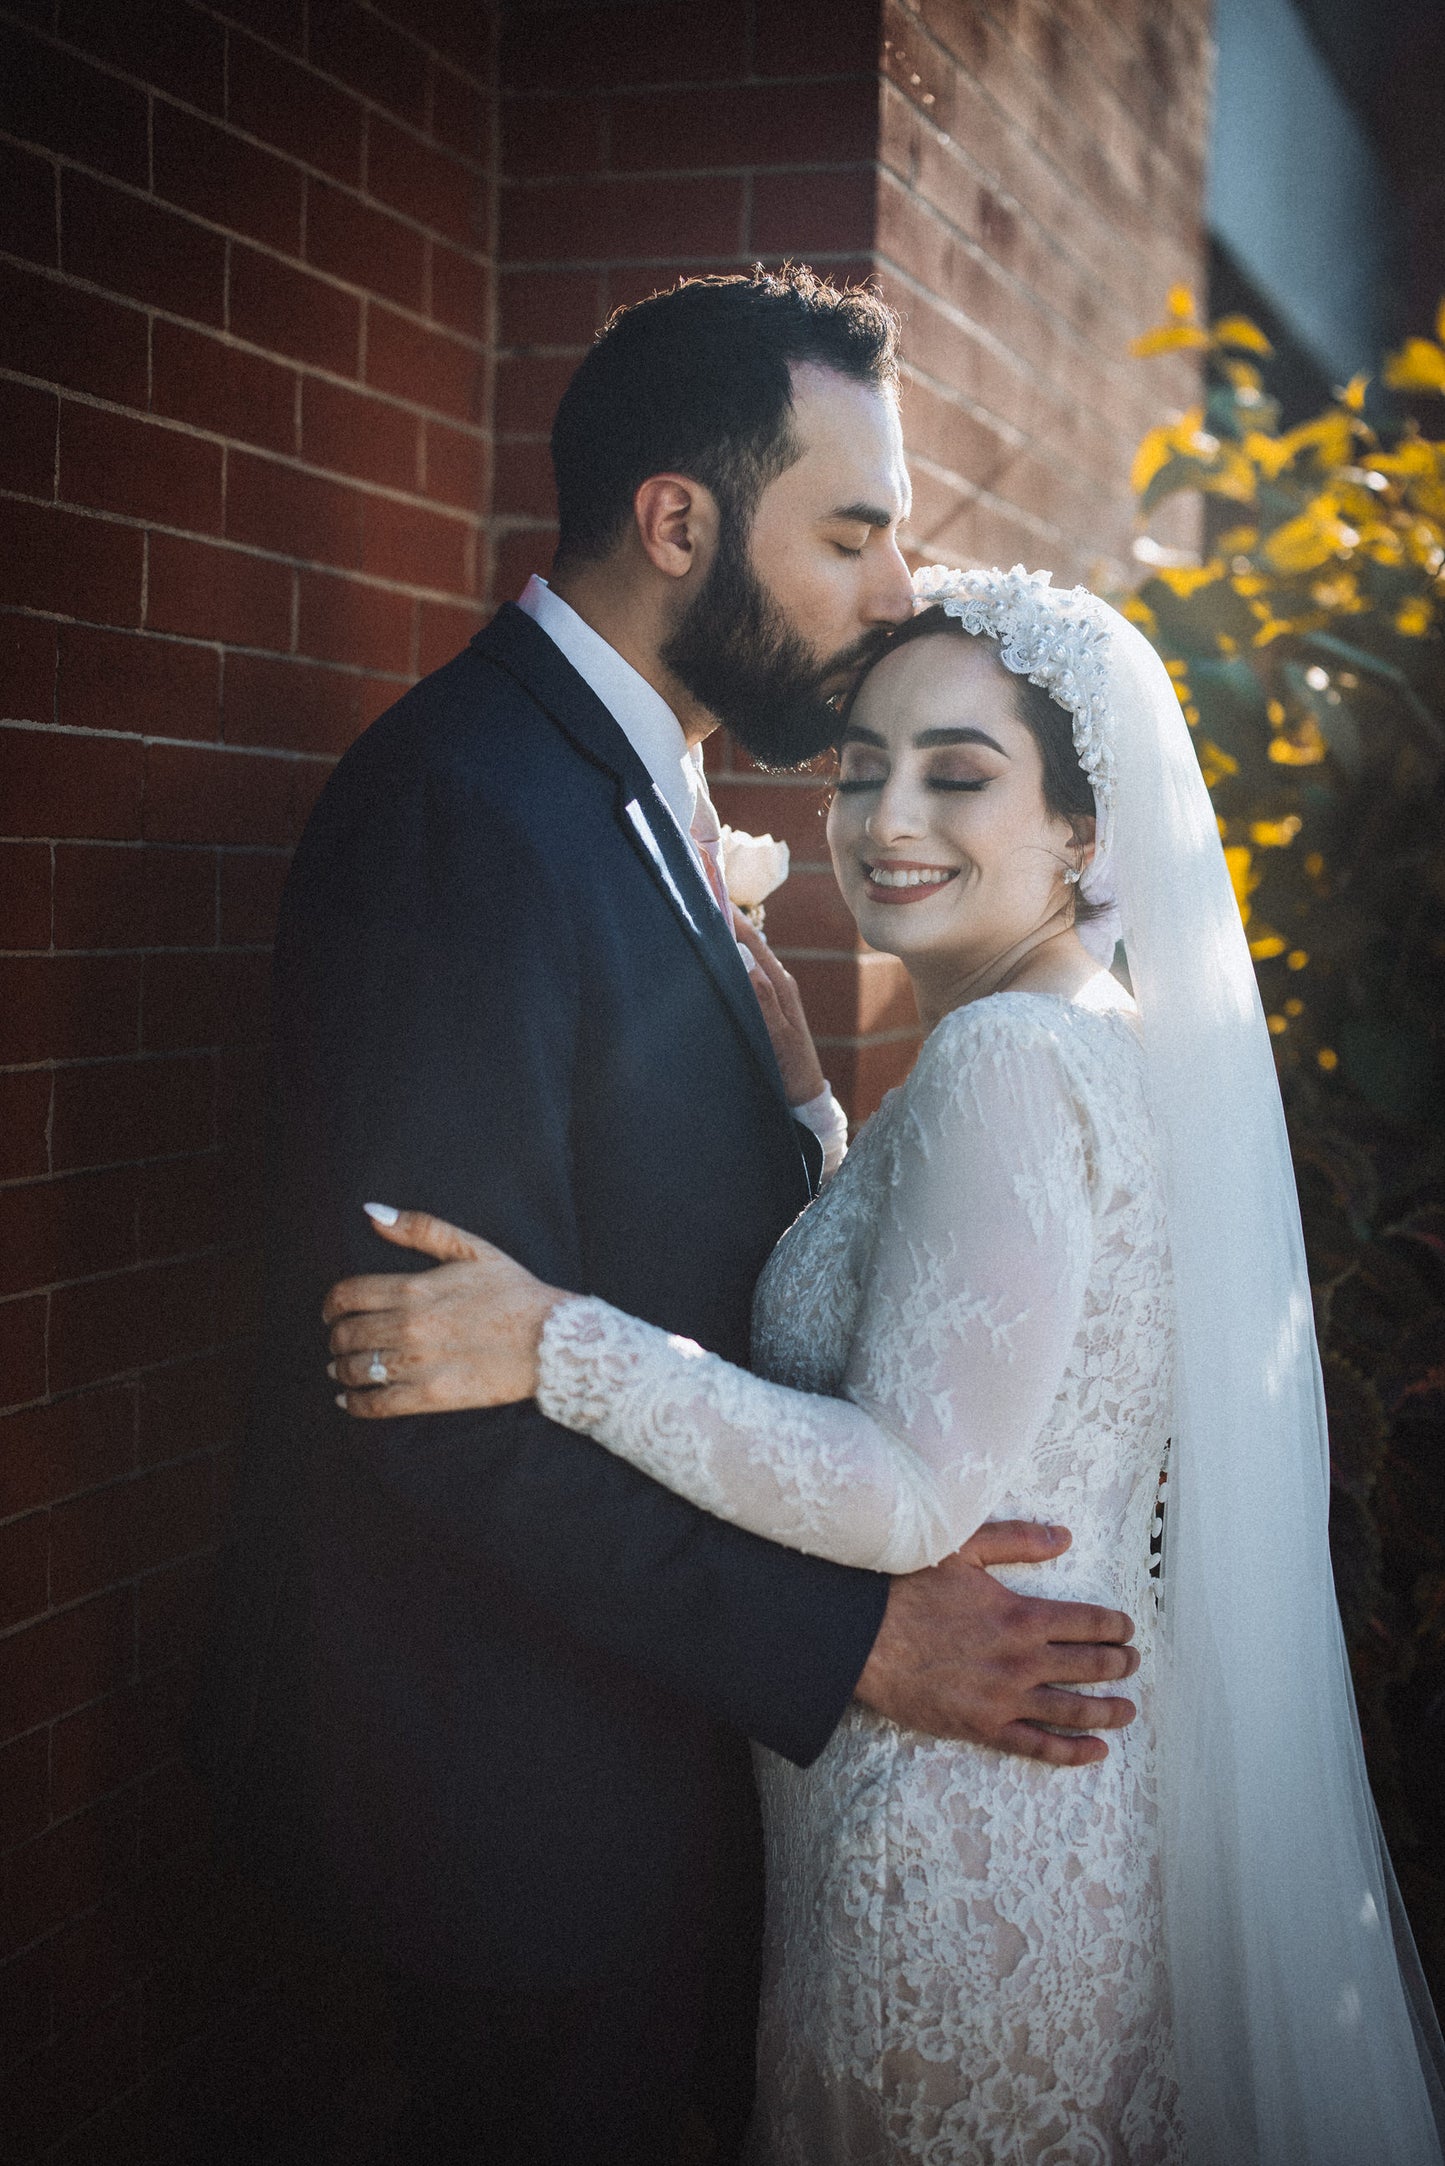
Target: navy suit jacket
[{"x": 479, "y": 1692}]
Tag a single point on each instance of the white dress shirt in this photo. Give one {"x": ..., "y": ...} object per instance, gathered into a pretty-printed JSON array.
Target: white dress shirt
[
  {"x": 656, "y": 736},
  {"x": 638, "y": 709}
]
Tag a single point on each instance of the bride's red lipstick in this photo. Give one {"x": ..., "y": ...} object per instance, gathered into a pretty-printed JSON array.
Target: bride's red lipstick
[{"x": 910, "y": 889}]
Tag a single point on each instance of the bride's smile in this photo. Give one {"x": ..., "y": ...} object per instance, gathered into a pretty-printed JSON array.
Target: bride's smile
[{"x": 951, "y": 838}]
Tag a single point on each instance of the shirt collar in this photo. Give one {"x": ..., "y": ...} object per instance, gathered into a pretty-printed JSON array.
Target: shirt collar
[{"x": 640, "y": 712}]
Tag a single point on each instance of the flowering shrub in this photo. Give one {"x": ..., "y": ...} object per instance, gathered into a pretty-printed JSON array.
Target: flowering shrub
[{"x": 1307, "y": 651}]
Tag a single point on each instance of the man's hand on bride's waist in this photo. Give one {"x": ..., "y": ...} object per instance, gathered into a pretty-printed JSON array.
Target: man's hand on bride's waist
[{"x": 960, "y": 1656}]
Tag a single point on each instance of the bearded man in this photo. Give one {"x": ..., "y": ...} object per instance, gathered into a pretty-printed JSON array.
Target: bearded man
[{"x": 480, "y": 1695}]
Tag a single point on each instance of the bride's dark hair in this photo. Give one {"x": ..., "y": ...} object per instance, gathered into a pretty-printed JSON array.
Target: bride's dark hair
[{"x": 1067, "y": 793}]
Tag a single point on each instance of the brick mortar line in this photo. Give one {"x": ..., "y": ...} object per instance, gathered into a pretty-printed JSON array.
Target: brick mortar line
[
  {"x": 977, "y": 249},
  {"x": 863, "y": 1040},
  {"x": 1081, "y": 52},
  {"x": 1016, "y": 127},
  {"x": 864, "y": 958},
  {"x": 650, "y": 176},
  {"x": 322, "y": 569},
  {"x": 160, "y": 1260},
  {"x": 114, "y": 1377},
  {"x": 191, "y": 744},
  {"x": 816, "y": 256},
  {"x": 304, "y": 370},
  {"x": 979, "y": 493},
  {"x": 960, "y": 320},
  {"x": 972, "y": 493},
  {"x": 517, "y": 95},
  {"x": 991, "y": 338},
  {"x": 219, "y": 647},
  {"x": 294, "y": 462},
  {"x": 229, "y": 233},
  {"x": 110, "y": 1165},
  {"x": 211, "y": 948},
  {"x": 116, "y": 73}
]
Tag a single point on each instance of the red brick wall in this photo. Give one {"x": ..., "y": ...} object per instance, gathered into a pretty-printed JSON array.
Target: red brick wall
[
  {"x": 247, "y": 340},
  {"x": 1041, "y": 188},
  {"x": 245, "y": 335}
]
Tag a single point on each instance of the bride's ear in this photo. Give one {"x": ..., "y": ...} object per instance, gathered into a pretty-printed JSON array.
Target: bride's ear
[
  {"x": 677, "y": 524},
  {"x": 1085, "y": 828}
]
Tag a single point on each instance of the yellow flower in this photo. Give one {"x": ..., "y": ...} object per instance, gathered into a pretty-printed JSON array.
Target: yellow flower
[
  {"x": 1242, "y": 879},
  {"x": 1293, "y": 1008},
  {"x": 1340, "y": 592},
  {"x": 1412, "y": 618},
  {"x": 1265, "y": 947},
  {"x": 1303, "y": 746},
  {"x": 1187, "y": 579},
  {"x": 1239, "y": 331},
  {"x": 1296, "y": 959},
  {"x": 1328, "y": 1059},
  {"x": 1353, "y": 395},
  {"x": 1215, "y": 764},
  {"x": 1315, "y": 864},
  {"x": 1304, "y": 543},
  {"x": 1275, "y": 834},
  {"x": 1277, "y": 1026},
  {"x": 1167, "y": 338},
  {"x": 1418, "y": 366}
]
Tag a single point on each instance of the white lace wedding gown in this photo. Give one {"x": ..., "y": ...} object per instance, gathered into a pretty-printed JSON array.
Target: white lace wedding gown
[{"x": 973, "y": 1322}]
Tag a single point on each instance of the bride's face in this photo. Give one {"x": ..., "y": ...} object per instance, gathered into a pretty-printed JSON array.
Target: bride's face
[{"x": 942, "y": 843}]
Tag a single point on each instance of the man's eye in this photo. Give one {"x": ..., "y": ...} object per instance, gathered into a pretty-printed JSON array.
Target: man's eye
[{"x": 844, "y": 551}]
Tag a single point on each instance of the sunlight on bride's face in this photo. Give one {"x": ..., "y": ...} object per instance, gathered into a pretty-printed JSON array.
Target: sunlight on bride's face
[{"x": 943, "y": 846}]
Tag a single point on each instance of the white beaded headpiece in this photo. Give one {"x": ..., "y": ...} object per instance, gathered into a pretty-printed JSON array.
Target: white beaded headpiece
[{"x": 1058, "y": 638}]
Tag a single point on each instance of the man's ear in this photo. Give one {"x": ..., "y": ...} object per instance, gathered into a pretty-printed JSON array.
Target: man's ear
[{"x": 677, "y": 523}]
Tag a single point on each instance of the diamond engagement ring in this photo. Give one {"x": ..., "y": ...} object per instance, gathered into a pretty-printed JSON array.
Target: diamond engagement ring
[{"x": 376, "y": 1373}]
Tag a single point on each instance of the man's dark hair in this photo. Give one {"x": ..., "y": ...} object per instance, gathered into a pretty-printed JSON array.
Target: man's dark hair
[{"x": 696, "y": 381}]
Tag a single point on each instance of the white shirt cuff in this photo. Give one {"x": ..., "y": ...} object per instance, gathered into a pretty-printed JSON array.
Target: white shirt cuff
[{"x": 829, "y": 1124}]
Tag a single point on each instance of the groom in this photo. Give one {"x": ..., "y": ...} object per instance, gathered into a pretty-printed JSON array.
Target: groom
[{"x": 480, "y": 1693}]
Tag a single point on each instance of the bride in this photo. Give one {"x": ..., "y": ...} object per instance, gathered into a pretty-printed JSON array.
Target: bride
[{"x": 1065, "y": 1251}]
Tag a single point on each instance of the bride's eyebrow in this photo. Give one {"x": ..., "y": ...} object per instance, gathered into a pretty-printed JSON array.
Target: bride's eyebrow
[{"x": 927, "y": 739}]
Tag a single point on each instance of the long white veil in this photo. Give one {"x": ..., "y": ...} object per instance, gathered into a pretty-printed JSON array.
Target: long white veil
[{"x": 1305, "y": 2034}]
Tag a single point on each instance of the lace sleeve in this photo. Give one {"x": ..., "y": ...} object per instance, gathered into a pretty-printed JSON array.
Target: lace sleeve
[{"x": 969, "y": 1308}]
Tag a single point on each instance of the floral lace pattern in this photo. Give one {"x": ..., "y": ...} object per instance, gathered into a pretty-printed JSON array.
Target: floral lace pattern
[{"x": 973, "y": 1321}]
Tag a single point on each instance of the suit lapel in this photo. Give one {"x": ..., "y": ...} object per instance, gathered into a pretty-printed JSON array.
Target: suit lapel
[{"x": 515, "y": 643}]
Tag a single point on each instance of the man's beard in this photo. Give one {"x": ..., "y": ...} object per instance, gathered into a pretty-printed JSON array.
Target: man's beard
[{"x": 738, "y": 655}]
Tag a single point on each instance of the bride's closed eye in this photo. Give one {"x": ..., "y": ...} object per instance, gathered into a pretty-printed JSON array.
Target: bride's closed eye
[{"x": 871, "y": 773}]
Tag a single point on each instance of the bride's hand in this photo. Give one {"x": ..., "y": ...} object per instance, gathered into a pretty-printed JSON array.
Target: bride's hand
[
  {"x": 782, "y": 1006},
  {"x": 463, "y": 1335}
]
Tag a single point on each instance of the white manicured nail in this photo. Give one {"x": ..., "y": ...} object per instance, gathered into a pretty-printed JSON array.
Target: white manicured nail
[
  {"x": 341, "y": 1400},
  {"x": 382, "y": 1213},
  {"x": 331, "y": 1370},
  {"x": 749, "y": 960}
]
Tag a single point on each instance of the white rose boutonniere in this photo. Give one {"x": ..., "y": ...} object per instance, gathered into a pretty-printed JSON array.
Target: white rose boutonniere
[{"x": 753, "y": 866}]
